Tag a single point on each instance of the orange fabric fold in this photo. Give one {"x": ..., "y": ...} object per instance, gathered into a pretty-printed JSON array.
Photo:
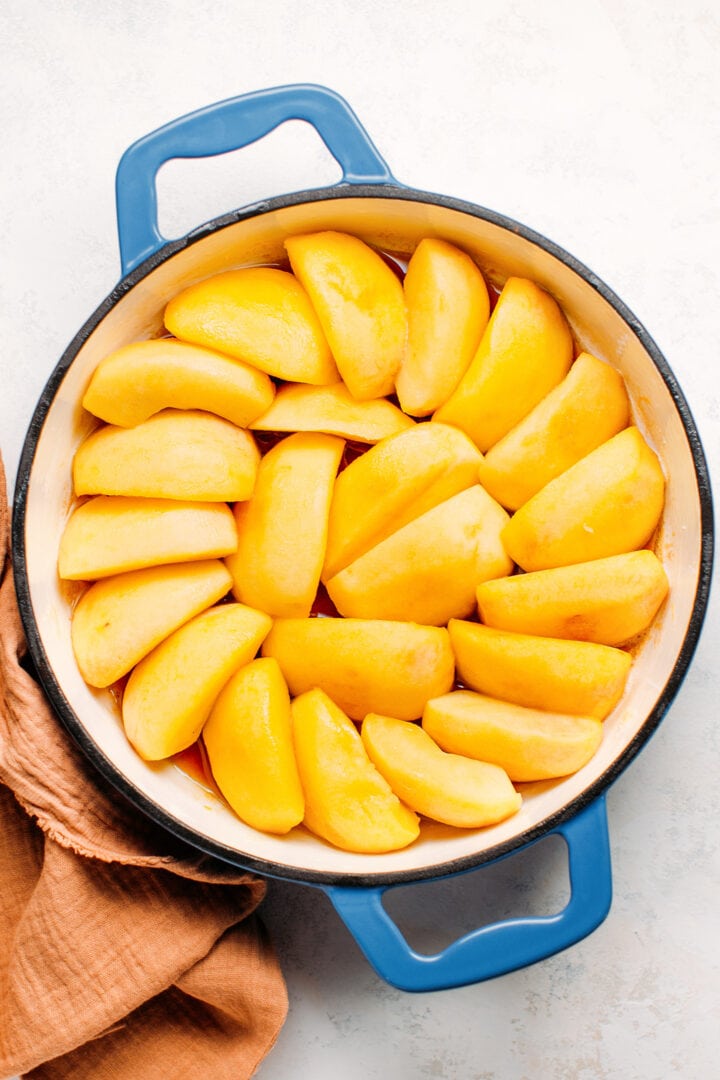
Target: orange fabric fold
[{"x": 124, "y": 953}]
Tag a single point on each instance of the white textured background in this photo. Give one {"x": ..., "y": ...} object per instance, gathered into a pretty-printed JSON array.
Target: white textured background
[{"x": 595, "y": 123}]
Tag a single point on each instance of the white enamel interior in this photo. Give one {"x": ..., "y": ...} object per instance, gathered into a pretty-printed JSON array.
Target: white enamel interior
[{"x": 395, "y": 225}]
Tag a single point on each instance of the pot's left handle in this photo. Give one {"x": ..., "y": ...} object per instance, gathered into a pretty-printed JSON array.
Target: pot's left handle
[
  {"x": 230, "y": 125},
  {"x": 501, "y": 947}
]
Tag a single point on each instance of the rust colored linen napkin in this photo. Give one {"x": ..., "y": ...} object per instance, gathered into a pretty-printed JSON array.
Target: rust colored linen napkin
[{"x": 124, "y": 953}]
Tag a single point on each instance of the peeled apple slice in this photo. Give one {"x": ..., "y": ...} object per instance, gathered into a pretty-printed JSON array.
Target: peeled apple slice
[
  {"x": 427, "y": 572},
  {"x": 525, "y": 351},
  {"x": 174, "y": 455},
  {"x": 249, "y": 743},
  {"x": 282, "y": 529},
  {"x": 140, "y": 379},
  {"x": 111, "y": 534},
  {"x": 359, "y": 301},
  {"x": 606, "y": 504},
  {"x": 393, "y": 483},
  {"x": 607, "y": 600},
  {"x": 120, "y": 619},
  {"x": 347, "y": 801},
  {"x": 529, "y": 744},
  {"x": 170, "y": 693},
  {"x": 447, "y": 308},
  {"x": 442, "y": 786},
  {"x": 578, "y": 678},
  {"x": 364, "y": 665},
  {"x": 332, "y": 409},
  {"x": 588, "y": 407},
  {"x": 257, "y": 314}
]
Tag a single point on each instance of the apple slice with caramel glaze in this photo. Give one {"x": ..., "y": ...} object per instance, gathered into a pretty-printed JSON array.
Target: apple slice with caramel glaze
[
  {"x": 448, "y": 307},
  {"x": 145, "y": 377},
  {"x": 447, "y": 787},
  {"x": 359, "y": 302},
  {"x": 526, "y": 350},
  {"x": 347, "y": 801},
  {"x": 260, "y": 315}
]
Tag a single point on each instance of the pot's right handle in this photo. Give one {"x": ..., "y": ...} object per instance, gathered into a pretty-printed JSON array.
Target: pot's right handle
[
  {"x": 501, "y": 947},
  {"x": 230, "y": 125}
]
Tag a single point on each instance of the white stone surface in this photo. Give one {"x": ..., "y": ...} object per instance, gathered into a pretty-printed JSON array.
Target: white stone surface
[{"x": 595, "y": 123}]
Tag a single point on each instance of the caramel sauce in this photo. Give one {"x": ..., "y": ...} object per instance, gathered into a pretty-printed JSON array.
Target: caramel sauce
[
  {"x": 323, "y": 606},
  {"x": 117, "y": 689},
  {"x": 194, "y": 763},
  {"x": 397, "y": 262},
  {"x": 71, "y": 591},
  {"x": 191, "y": 762}
]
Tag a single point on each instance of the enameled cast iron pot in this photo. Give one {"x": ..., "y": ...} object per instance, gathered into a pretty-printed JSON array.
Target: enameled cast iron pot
[{"x": 371, "y": 204}]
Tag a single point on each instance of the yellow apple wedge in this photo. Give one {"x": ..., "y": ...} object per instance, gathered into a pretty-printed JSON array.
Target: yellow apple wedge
[
  {"x": 394, "y": 482},
  {"x": 529, "y": 744},
  {"x": 427, "y": 572},
  {"x": 260, "y": 315},
  {"x": 588, "y": 407},
  {"x": 526, "y": 350},
  {"x": 364, "y": 665},
  {"x": 110, "y": 534},
  {"x": 174, "y": 455},
  {"x": 359, "y": 302},
  {"x": 145, "y": 377},
  {"x": 446, "y": 787},
  {"x": 447, "y": 309},
  {"x": 282, "y": 529},
  {"x": 608, "y": 503},
  {"x": 608, "y": 600},
  {"x": 333, "y": 410},
  {"x": 249, "y": 744},
  {"x": 579, "y": 678},
  {"x": 170, "y": 693},
  {"x": 118, "y": 620},
  {"x": 347, "y": 801}
]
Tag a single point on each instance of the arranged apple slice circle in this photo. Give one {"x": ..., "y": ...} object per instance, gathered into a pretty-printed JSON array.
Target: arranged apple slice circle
[{"x": 381, "y": 543}]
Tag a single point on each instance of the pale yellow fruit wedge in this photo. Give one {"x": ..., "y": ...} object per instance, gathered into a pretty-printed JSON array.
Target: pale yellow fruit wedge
[
  {"x": 364, "y": 665},
  {"x": 111, "y": 534},
  {"x": 257, "y": 314},
  {"x": 427, "y": 572},
  {"x": 608, "y": 600},
  {"x": 347, "y": 801},
  {"x": 282, "y": 529},
  {"x": 588, "y": 407},
  {"x": 394, "y": 482},
  {"x": 580, "y": 678},
  {"x": 447, "y": 308},
  {"x": 446, "y": 787},
  {"x": 139, "y": 380},
  {"x": 249, "y": 743},
  {"x": 174, "y": 455},
  {"x": 170, "y": 693},
  {"x": 608, "y": 503},
  {"x": 333, "y": 410},
  {"x": 120, "y": 619},
  {"x": 528, "y": 744},
  {"x": 526, "y": 350},
  {"x": 359, "y": 301}
]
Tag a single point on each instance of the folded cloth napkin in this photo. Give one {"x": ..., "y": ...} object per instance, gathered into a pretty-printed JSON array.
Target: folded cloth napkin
[{"x": 124, "y": 953}]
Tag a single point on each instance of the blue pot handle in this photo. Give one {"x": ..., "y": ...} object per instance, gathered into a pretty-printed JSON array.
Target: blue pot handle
[
  {"x": 230, "y": 125},
  {"x": 500, "y": 947}
]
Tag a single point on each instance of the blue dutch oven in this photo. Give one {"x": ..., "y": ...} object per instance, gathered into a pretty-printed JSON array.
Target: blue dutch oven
[{"x": 370, "y": 203}]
